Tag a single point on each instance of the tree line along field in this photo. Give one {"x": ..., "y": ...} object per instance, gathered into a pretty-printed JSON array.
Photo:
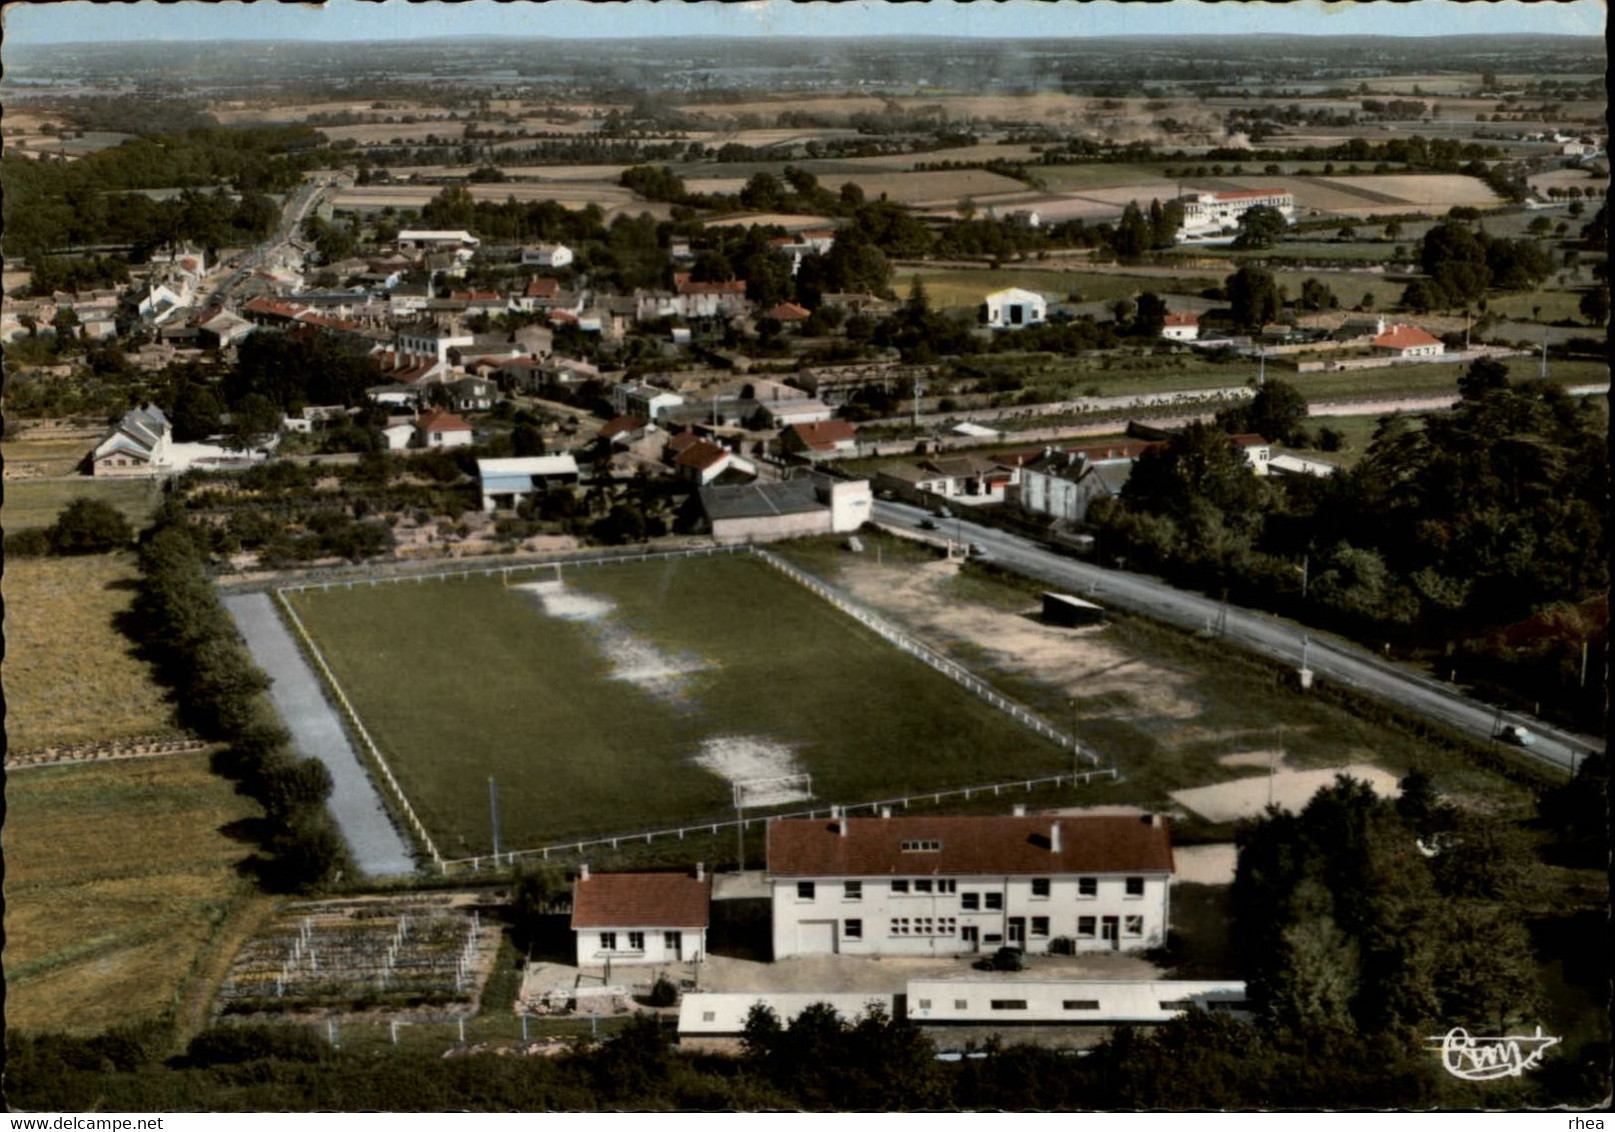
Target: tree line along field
[
  {"x": 121, "y": 888},
  {"x": 458, "y": 681}
]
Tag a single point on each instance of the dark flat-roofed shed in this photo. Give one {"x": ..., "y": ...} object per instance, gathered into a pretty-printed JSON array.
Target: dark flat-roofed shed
[{"x": 1063, "y": 609}]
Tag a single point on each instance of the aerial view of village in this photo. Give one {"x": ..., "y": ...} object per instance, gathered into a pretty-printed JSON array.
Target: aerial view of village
[{"x": 828, "y": 557}]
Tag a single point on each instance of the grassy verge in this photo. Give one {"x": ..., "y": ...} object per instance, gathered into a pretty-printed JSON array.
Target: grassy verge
[
  {"x": 71, "y": 676},
  {"x": 120, "y": 884}
]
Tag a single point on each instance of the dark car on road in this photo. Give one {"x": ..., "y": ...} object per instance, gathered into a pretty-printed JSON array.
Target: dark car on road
[{"x": 1004, "y": 959}]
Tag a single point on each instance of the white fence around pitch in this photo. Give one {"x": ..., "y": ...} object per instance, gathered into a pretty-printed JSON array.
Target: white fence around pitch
[
  {"x": 616, "y": 841},
  {"x": 359, "y": 728},
  {"x": 955, "y": 672}
]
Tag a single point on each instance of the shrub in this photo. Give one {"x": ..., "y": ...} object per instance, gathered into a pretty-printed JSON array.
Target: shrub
[
  {"x": 231, "y": 1045},
  {"x": 89, "y": 526},
  {"x": 31, "y": 542},
  {"x": 663, "y": 992}
]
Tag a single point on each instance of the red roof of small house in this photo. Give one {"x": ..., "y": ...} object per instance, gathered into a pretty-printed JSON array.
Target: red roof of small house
[
  {"x": 616, "y": 426},
  {"x": 788, "y": 312},
  {"x": 441, "y": 420},
  {"x": 823, "y": 436},
  {"x": 1182, "y": 318},
  {"x": 542, "y": 287},
  {"x": 967, "y": 846},
  {"x": 327, "y": 322},
  {"x": 267, "y": 306},
  {"x": 1247, "y": 440},
  {"x": 1249, "y": 194},
  {"x": 1400, "y": 337},
  {"x": 818, "y": 233},
  {"x": 684, "y": 285},
  {"x": 781, "y": 242},
  {"x": 701, "y": 455},
  {"x": 683, "y": 440},
  {"x": 476, "y": 296},
  {"x": 641, "y": 900},
  {"x": 563, "y": 316}
]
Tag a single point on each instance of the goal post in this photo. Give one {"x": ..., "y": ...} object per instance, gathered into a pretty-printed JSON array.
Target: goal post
[{"x": 754, "y": 793}]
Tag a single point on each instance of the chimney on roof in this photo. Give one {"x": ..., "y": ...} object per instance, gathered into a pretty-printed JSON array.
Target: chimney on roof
[
  {"x": 1152, "y": 820},
  {"x": 583, "y": 871},
  {"x": 885, "y": 811},
  {"x": 841, "y": 826},
  {"x": 700, "y": 871},
  {"x": 1018, "y": 810},
  {"x": 1047, "y": 451},
  {"x": 1054, "y": 837}
]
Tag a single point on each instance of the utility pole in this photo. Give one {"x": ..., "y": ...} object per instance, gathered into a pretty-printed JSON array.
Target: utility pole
[
  {"x": 1261, "y": 367},
  {"x": 1306, "y": 562},
  {"x": 916, "y": 400},
  {"x": 493, "y": 815},
  {"x": 1544, "y": 372}
]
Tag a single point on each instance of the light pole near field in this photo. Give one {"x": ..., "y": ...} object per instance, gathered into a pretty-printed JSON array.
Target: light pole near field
[{"x": 493, "y": 816}]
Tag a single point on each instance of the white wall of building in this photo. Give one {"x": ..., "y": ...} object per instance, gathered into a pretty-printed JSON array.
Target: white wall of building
[
  {"x": 655, "y": 945},
  {"x": 868, "y": 916}
]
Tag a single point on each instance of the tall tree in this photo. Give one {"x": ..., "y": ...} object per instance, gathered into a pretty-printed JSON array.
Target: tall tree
[{"x": 1253, "y": 296}]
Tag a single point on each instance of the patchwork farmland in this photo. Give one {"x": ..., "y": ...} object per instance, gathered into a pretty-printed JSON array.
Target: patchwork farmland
[{"x": 675, "y": 678}]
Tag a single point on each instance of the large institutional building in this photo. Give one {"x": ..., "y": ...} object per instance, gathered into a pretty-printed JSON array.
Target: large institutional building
[
  {"x": 1206, "y": 214},
  {"x": 957, "y": 885}
]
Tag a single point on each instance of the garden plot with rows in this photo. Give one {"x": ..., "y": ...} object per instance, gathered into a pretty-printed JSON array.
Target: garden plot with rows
[
  {"x": 345, "y": 956},
  {"x": 635, "y": 696}
]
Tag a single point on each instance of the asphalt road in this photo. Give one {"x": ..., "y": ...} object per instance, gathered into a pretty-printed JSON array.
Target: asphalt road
[
  {"x": 291, "y": 219},
  {"x": 377, "y": 847},
  {"x": 1329, "y": 657}
]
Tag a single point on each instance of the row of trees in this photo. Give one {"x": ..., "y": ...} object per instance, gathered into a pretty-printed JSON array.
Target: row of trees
[
  {"x": 195, "y": 649},
  {"x": 1485, "y": 516}
]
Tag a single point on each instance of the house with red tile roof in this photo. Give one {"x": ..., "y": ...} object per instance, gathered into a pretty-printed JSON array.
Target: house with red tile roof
[
  {"x": 1402, "y": 341},
  {"x": 439, "y": 428},
  {"x": 956, "y": 885},
  {"x": 641, "y": 918},
  {"x": 1181, "y": 326},
  {"x": 702, "y": 462},
  {"x": 707, "y": 299},
  {"x": 788, "y": 313},
  {"x": 819, "y": 439}
]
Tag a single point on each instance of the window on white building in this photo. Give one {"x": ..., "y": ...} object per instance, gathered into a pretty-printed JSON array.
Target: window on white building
[
  {"x": 852, "y": 929},
  {"x": 804, "y": 890},
  {"x": 854, "y": 890},
  {"x": 961, "y": 1004},
  {"x": 1040, "y": 888},
  {"x": 709, "y": 1015},
  {"x": 1040, "y": 927},
  {"x": 922, "y": 886},
  {"x": 1087, "y": 926},
  {"x": 970, "y": 901},
  {"x": 608, "y": 941},
  {"x": 1087, "y": 887},
  {"x": 1135, "y": 886},
  {"x": 1081, "y": 1004},
  {"x": 994, "y": 901},
  {"x": 925, "y": 1004},
  {"x": 1009, "y": 1004},
  {"x": 899, "y": 888},
  {"x": 636, "y": 941},
  {"x": 1133, "y": 925},
  {"x": 922, "y": 846}
]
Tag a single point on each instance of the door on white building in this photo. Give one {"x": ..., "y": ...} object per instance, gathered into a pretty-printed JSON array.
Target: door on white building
[
  {"x": 1109, "y": 935},
  {"x": 673, "y": 945},
  {"x": 1017, "y": 931},
  {"x": 970, "y": 937},
  {"x": 816, "y": 937}
]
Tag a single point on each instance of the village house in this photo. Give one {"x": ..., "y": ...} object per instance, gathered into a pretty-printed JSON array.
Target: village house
[
  {"x": 439, "y": 428},
  {"x": 708, "y": 299},
  {"x": 138, "y": 445},
  {"x": 1064, "y": 485},
  {"x": 968, "y": 478},
  {"x": 643, "y": 400},
  {"x": 955, "y": 885},
  {"x": 472, "y": 395},
  {"x": 460, "y": 244},
  {"x": 1401, "y": 341},
  {"x": 547, "y": 255},
  {"x": 704, "y": 461},
  {"x": 788, "y": 313},
  {"x": 1014, "y": 307},
  {"x": 820, "y": 440},
  {"x": 641, "y": 918},
  {"x": 1181, "y": 326},
  {"x": 784, "y": 414}
]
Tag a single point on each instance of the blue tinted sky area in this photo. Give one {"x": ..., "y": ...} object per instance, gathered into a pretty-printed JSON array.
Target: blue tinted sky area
[{"x": 339, "y": 20}]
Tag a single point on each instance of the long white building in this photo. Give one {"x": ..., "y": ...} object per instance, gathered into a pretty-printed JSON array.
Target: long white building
[
  {"x": 953, "y": 885},
  {"x": 1208, "y": 213}
]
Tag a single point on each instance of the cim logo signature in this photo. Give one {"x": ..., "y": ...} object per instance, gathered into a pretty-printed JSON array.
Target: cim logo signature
[{"x": 1487, "y": 1058}]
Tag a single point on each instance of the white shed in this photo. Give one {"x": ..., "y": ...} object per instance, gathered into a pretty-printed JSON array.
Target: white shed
[{"x": 1013, "y": 308}]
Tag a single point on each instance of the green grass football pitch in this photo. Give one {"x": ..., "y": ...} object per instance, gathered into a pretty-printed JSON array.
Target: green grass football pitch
[{"x": 458, "y": 681}]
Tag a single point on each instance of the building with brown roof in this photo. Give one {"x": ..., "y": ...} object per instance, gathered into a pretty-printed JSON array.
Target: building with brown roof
[
  {"x": 1401, "y": 341},
  {"x": 818, "y": 440},
  {"x": 439, "y": 428},
  {"x": 641, "y": 917},
  {"x": 954, "y": 885}
]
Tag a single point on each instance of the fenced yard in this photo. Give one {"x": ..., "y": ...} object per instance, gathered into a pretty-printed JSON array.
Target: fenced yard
[{"x": 634, "y": 696}]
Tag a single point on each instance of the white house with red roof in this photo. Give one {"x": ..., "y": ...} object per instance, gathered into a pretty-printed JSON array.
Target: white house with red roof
[
  {"x": 1181, "y": 326},
  {"x": 1402, "y": 341},
  {"x": 694, "y": 299},
  {"x": 703, "y": 462},
  {"x": 439, "y": 428},
  {"x": 954, "y": 885},
  {"x": 641, "y": 918},
  {"x": 547, "y": 255},
  {"x": 1208, "y": 213}
]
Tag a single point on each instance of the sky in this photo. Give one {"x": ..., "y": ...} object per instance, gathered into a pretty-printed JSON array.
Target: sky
[{"x": 340, "y": 20}]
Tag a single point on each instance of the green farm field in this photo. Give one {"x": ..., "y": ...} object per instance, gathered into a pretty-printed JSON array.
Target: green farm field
[
  {"x": 722, "y": 659},
  {"x": 120, "y": 887},
  {"x": 30, "y": 503}
]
